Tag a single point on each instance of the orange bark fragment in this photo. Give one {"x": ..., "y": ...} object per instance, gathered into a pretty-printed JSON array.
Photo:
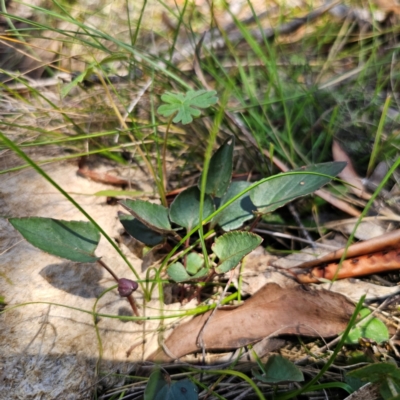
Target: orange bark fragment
[{"x": 368, "y": 264}]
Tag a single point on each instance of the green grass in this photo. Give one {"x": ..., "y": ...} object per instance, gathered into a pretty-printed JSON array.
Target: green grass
[{"x": 294, "y": 97}]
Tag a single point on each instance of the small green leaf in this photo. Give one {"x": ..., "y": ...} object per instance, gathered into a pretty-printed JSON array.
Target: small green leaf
[
  {"x": 140, "y": 231},
  {"x": 220, "y": 171},
  {"x": 78, "y": 79},
  {"x": 231, "y": 247},
  {"x": 377, "y": 372},
  {"x": 279, "y": 369},
  {"x": 240, "y": 211},
  {"x": 284, "y": 188},
  {"x": 194, "y": 269},
  {"x": 181, "y": 390},
  {"x": 186, "y": 106},
  {"x": 178, "y": 272},
  {"x": 158, "y": 388},
  {"x": 73, "y": 240},
  {"x": 194, "y": 262},
  {"x": 373, "y": 329},
  {"x": 184, "y": 210},
  {"x": 152, "y": 215}
]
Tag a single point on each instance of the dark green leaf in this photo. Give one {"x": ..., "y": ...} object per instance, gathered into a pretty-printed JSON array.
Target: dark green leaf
[
  {"x": 152, "y": 215},
  {"x": 73, "y": 240},
  {"x": 231, "y": 247},
  {"x": 374, "y": 372},
  {"x": 279, "y": 369},
  {"x": 284, "y": 188},
  {"x": 186, "y": 106},
  {"x": 240, "y": 211},
  {"x": 140, "y": 231},
  {"x": 390, "y": 391},
  {"x": 159, "y": 389},
  {"x": 184, "y": 210},
  {"x": 220, "y": 171},
  {"x": 154, "y": 385},
  {"x": 373, "y": 329},
  {"x": 181, "y": 390}
]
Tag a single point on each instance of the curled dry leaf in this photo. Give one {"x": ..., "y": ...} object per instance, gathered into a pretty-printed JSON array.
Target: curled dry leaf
[
  {"x": 271, "y": 311},
  {"x": 349, "y": 174}
]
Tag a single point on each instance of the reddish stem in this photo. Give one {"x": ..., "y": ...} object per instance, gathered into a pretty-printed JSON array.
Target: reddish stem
[{"x": 130, "y": 298}]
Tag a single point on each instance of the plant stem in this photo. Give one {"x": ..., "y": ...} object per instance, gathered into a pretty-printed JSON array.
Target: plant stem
[
  {"x": 163, "y": 177},
  {"x": 108, "y": 269},
  {"x": 203, "y": 183}
]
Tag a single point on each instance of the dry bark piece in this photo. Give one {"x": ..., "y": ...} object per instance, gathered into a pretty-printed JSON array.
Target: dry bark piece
[
  {"x": 102, "y": 177},
  {"x": 388, "y": 241},
  {"x": 271, "y": 311},
  {"x": 364, "y": 265}
]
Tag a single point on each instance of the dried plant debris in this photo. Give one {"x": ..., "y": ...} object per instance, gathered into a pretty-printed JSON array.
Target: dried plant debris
[{"x": 372, "y": 256}]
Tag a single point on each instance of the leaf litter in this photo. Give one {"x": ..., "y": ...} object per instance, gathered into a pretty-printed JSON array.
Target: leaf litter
[{"x": 273, "y": 310}]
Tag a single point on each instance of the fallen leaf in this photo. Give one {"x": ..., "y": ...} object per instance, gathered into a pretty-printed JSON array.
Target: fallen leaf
[
  {"x": 349, "y": 174},
  {"x": 271, "y": 311}
]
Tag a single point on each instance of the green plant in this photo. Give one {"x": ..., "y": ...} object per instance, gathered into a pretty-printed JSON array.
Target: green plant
[
  {"x": 223, "y": 208},
  {"x": 386, "y": 375},
  {"x": 227, "y": 206}
]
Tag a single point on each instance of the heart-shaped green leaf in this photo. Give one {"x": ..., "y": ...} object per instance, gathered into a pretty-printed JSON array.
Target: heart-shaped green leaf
[
  {"x": 231, "y": 247},
  {"x": 373, "y": 329},
  {"x": 240, "y": 211},
  {"x": 152, "y": 215},
  {"x": 279, "y": 369},
  {"x": 139, "y": 230},
  {"x": 220, "y": 171},
  {"x": 284, "y": 188},
  {"x": 184, "y": 210},
  {"x": 73, "y": 240},
  {"x": 179, "y": 273},
  {"x": 194, "y": 262}
]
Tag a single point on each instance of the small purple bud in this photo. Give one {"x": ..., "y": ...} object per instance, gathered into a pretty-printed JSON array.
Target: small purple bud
[{"x": 126, "y": 287}]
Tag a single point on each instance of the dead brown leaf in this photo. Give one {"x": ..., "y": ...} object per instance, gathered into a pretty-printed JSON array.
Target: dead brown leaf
[
  {"x": 349, "y": 174},
  {"x": 271, "y": 311}
]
